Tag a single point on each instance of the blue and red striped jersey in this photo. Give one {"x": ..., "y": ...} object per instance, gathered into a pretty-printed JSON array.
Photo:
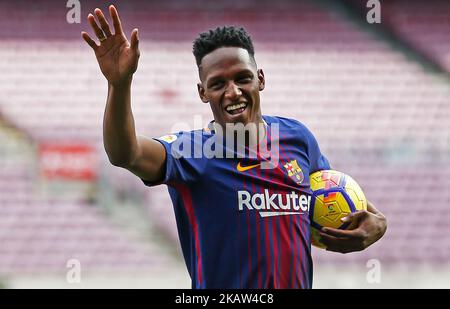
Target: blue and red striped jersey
[{"x": 242, "y": 226}]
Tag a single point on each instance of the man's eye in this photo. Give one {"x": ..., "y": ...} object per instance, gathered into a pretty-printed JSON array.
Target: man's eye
[
  {"x": 245, "y": 79},
  {"x": 217, "y": 85}
]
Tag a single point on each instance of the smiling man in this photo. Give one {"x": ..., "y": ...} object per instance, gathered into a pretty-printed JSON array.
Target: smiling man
[
  {"x": 230, "y": 80},
  {"x": 240, "y": 225}
]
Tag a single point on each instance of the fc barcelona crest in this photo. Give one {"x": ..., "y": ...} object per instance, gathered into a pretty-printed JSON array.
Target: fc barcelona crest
[{"x": 294, "y": 171}]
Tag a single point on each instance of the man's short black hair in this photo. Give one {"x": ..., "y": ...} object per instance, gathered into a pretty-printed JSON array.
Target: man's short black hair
[{"x": 226, "y": 36}]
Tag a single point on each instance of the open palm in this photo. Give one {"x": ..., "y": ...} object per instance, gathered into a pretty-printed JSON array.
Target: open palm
[{"x": 117, "y": 58}]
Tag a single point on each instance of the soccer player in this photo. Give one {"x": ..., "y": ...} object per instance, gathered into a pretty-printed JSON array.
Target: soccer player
[{"x": 240, "y": 225}]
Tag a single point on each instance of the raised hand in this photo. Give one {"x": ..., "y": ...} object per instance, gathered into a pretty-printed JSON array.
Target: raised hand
[{"x": 117, "y": 58}]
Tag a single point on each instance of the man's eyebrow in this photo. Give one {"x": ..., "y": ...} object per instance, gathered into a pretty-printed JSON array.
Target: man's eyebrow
[
  {"x": 214, "y": 78},
  {"x": 245, "y": 71},
  {"x": 218, "y": 77}
]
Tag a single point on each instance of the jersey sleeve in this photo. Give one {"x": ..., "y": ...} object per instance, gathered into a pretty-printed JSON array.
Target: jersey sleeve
[
  {"x": 180, "y": 165},
  {"x": 317, "y": 159}
]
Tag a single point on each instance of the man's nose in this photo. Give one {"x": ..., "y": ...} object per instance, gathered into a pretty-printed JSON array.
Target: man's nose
[{"x": 233, "y": 92}]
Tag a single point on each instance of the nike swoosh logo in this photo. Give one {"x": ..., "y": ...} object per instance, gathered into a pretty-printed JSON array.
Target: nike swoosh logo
[{"x": 246, "y": 168}]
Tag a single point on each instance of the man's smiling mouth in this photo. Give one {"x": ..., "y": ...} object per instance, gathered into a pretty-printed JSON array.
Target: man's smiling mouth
[{"x": 235, "y": 109}]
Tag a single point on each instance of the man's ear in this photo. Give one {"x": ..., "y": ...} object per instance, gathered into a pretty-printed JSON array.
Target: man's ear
[
  {"x": 261, "y": 80},
  {"x": 201, "y": 93}
]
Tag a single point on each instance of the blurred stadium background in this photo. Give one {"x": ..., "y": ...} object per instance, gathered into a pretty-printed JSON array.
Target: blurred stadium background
[{"x": 376, "y": 96}]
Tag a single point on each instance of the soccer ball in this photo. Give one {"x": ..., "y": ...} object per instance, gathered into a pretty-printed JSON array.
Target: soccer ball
[{"x": 334, "y": 196}]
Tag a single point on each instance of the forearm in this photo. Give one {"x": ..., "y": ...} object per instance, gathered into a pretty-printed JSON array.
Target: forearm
[
  {"x": 372, "y": 209},
  {"x": 382, "y": 222},
  {"x": 119, "y": 135}
]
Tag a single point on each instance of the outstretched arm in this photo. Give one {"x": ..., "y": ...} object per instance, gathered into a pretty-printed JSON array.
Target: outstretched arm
[
  {"x": 370, "y": 224},
  {"x": 118, "y": 60}
]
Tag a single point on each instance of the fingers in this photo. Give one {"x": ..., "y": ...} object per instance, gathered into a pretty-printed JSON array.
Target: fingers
[
  {"x": 338, "y": 244},
  {"x": 103, "y": 22},
  {"x": 357, "y": 234},
  {"x": 98, "y": 32},
  {"x": 355, "y": 218},
  {"x": 134, "y": 40},
  {"x": 337, "y": 232},
  {"x": 331, "y": 243},
  {"x": 343, "y": 241},
  {"x": 88, "y": 40},
  {"x": 116, "y": 20},
  {"x": 360, "y": 214}
]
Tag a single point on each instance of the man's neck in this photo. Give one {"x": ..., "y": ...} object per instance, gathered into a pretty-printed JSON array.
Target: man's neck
[{"x": 256, "y": 130}]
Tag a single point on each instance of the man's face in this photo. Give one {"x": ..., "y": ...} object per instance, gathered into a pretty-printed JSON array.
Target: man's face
[{"x": 230, "y": 83}]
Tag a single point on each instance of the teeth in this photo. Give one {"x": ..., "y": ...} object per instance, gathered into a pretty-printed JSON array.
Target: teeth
[{"x": 236, "y": 106}]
